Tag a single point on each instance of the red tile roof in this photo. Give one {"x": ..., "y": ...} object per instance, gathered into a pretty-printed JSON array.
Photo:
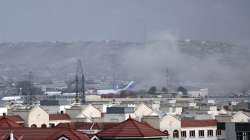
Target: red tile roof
[
  {"x": 15, "y": 118},
  {"x": 42, "y": 134},
  {"x": 6, "y": 123},
  {"x": 59, "y": 117},
  {"x": 22, "y": 133},
  {"x": 87, "y": 125},
  {"x": 131, "y": 128},
  {"x": 198, "y": 123}
]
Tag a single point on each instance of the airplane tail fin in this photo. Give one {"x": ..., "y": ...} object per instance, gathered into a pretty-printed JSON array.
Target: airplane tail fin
[{"x": 130, "y": 84}]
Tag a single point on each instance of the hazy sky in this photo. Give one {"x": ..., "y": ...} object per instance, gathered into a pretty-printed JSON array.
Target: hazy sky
[{"x": 72, "y": 20}]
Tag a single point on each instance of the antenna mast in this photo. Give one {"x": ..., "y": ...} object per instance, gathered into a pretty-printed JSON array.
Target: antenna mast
[{"x": 80, "y": 83}]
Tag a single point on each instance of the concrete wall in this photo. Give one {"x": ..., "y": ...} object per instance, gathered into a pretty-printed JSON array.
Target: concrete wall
[{"x": 230, "y": 133}]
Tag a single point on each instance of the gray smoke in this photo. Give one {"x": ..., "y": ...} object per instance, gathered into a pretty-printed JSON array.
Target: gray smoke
[{"x": 221, "y": 67}]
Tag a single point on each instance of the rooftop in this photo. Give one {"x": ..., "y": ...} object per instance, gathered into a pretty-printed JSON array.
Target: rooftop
[
  {"x": 131, "y": 128},
  {"x": 87, "y": 125},
  {"x": 198, "y": 123},
  {"x": 59, "y": 117},
  {"x": 7, "y": 123}
]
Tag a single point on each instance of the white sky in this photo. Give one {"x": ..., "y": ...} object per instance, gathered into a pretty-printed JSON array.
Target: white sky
[{"x": 72, "y": 20}]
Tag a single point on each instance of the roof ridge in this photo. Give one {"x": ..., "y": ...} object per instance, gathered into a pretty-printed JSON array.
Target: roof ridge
[
  {"x": 118, "y": 124},
  {"x": 75, "y": 133},
  {"x": 153, "y": 127},
  {"x": 133, "y": 121}
]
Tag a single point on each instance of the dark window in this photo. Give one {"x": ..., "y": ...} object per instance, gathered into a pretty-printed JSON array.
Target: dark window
[
  {"x": 165, "y": 131},
  {"x": 242, "y": 136},
  {"x": 176, "y": 134},
  {"x": 183, "y": 134},
  {"x": 52, "y": 125},
  {"x": 201, "y": 133},
  {"x": 33, "y": 126},
  {"x": 218, "y": 132},
  {"x": 210, "y": 133},
  {"x": 43, "y": 125},
  {"x": 191, "y": 133},
  {"x": 239, "y": 136}
]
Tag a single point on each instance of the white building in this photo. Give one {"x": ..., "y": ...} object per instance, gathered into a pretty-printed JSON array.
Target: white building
[
  {"x": 198, "y": 130},
  {"x": 198, "y": 93}
]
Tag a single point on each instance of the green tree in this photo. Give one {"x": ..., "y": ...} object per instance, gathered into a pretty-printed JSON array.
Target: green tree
[
  {"x": 28, "y": 88},
  {"x": 152, "y": 90},
  {"x": 183, "y": 90},
  {"x": 164, "y": 89}
]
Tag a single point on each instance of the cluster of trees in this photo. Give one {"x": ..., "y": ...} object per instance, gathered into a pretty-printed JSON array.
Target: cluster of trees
[
  {"x": 153, "y": 90},
  {"x": 28, "y": 88}
]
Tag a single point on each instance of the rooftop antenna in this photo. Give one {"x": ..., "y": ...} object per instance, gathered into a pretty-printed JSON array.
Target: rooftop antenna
[
  {"x": 30, "y": 80},
  {"x": 20, "y": 92},
  {"x": 80, "y": 83},
  {"x": 167, "y": 78}
]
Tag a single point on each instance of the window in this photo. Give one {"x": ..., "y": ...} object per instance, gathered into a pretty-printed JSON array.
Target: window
[
  {"x": 52, "y": 125},
  {"x": 201, "y": 133},
  {"x": 239, "y": 136},
  {"x": 210, "y": 133},
  {"x": 218, "y": 132},
  {"x": 176, "y": 134},
  {"x": 33, "y": 126},
  {"x": 11, "y": 137},
  {"x": 63, "y": 138},
  {"x": 192, "y": 133},
  {"x": 43, "y": 125},
  {"x": 94, "y": 138},
  {"x": 165, "y": 131},
  {"x": 183, "y": 134},
  {"x": 242, "y": 136}
]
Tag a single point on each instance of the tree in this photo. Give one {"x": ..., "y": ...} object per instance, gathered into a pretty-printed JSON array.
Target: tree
[
  {"x": 164, "y": 89},
  {"x": 28, "y": 88},
  {"x": 183, "y": 90},
  {"x": 152, "y": 90}
]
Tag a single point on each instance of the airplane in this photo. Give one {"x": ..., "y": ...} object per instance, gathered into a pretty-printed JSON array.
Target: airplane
[
  {"x": 114, "y": 91},
  {"x": 11, "y": 98},
  {"x": 98, "y": 92},
  {"x": 52, "y": 93}
]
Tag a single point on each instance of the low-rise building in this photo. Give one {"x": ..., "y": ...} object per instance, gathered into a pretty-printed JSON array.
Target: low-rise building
[
  {"x": 9, "y": 130},
  {"x": 234, "y": 131},
  {"x": 131, "y": 130},
  {"x": 33, "y": 116},
  {"x": 118, "y": 114},
  {"x": 142, "y": 110},
  {"x": 198, "y": 129},
  {"x": 55, "y": 119},
  {"x": 241, "y": 116}
]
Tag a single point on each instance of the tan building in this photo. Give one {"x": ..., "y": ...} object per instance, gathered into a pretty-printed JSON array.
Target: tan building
[
  {"x": 87, "y": 113},
  {"x": 142, "y": 110},
  {"x": 33, "y": 116},
  {"x": 241, "y": 116}
]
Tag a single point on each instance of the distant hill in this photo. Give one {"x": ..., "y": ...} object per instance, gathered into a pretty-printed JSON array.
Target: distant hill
[{"x": 189, "y": 62}]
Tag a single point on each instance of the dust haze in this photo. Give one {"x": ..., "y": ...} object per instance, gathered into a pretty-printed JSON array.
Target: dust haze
[{"x": 160, "y": 61}]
